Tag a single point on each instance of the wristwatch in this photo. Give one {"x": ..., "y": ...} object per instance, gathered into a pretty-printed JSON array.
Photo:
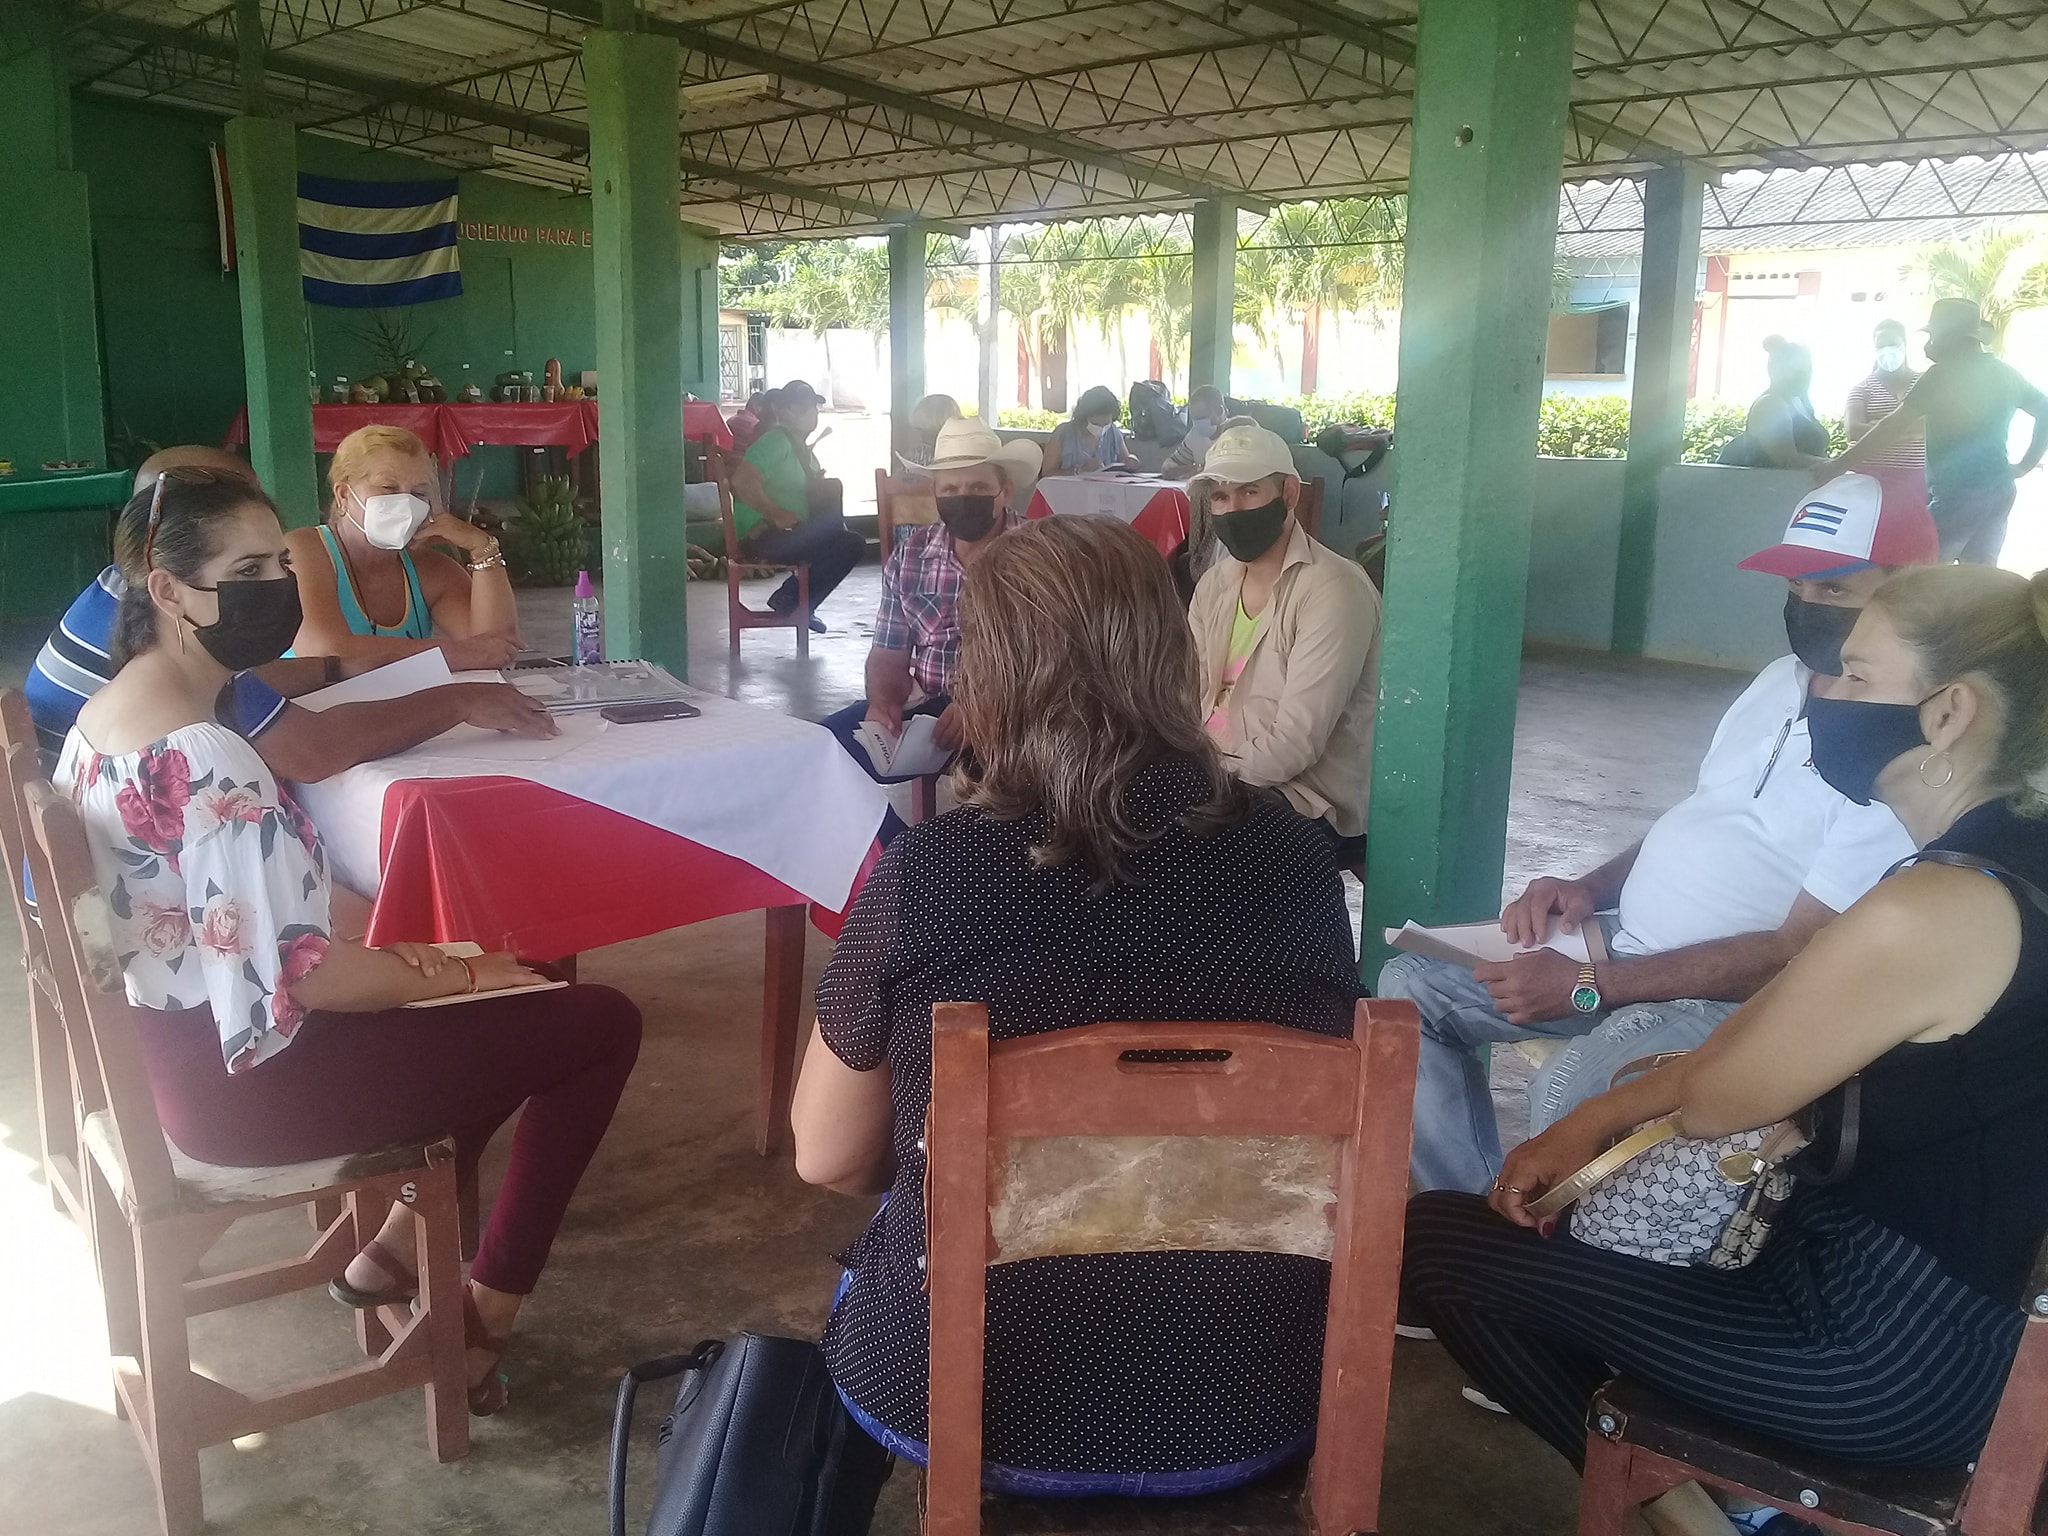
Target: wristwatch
[{"x": 1586, "y": 995}]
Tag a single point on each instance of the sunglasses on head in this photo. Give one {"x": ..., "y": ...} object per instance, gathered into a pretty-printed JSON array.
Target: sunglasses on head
[{"x": 190, "y": 474}]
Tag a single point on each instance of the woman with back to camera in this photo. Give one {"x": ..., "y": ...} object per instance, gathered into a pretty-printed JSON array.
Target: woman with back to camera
[
  {"x": 1880, "y": 1320},
  {"x": 268, "y": 1039},
  {"x": 1090, "y": 438},
  {"x": 1102, "y": 866},
  {"x": 374, "y": 586}
]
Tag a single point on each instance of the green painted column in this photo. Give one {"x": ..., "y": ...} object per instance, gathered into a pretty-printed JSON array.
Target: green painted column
[
  {"x": 1492, "y": 78},
  {"x": 263, "y": 173},
  {"x": 631, "y": 82},
  {"x": 49, "y": 339},
  {"x": 1672, "y": 198},
  {"x": 1212, "y": 320},
  {"x": 700, "y": 311},
  {"x": 906, "y": 329}
]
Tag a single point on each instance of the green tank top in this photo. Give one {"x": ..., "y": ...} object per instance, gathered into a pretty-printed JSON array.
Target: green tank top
[{"x": 418, "y": 623}]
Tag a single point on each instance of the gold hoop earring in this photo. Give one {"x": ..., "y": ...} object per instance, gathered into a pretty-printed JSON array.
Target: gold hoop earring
[{"x": 1948, "y": 764}]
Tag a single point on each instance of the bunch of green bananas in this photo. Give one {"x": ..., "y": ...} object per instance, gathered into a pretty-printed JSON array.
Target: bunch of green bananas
[{"x": 544, "y": 541}]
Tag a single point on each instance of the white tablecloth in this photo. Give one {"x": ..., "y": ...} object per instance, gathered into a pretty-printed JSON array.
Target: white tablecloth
[
  {"x": 1105, "y": 495},
  {"x": 777, "y": 793}
]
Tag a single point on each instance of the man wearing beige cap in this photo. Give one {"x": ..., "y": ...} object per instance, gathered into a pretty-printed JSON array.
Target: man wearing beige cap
[{"x": 1287, "y": 635}]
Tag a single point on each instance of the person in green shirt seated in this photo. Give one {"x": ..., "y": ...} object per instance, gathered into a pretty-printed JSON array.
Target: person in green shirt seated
[{"x": 784, "y": 509}]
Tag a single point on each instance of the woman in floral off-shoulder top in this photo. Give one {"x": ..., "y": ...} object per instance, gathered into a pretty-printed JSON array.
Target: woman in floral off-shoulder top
[{"x": 268, "y": 1039}]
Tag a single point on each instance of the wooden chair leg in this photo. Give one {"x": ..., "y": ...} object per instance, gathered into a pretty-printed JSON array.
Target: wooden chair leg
[
  {"x": 56, "y": 1118},
  {"x": 924, "y": 798},
  {"x": 368, "y": 1209},
  {"x": 436, "y": 1223},
  {"x": 1605, "y": 1505},
  {"x": 324, "y": 1213},
  {"x": 113, "y": 1252},
  {"x": 781, "y": 1008},
  {"x": 172, "y": 1436}
]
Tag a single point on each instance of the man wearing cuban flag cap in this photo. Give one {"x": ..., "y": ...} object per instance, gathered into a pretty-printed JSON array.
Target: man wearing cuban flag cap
[{"x": 1725, "y": 888}]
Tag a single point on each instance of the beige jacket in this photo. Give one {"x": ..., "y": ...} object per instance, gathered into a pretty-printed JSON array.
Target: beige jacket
[{"x": 1301, "y": 714}]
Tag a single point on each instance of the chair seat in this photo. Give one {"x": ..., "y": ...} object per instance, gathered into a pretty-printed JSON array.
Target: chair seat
[
  {"x": 1272, "y": 1506},
  {"x": 201, "y": 1185},
  {"x": 1911, "y": 1501}
]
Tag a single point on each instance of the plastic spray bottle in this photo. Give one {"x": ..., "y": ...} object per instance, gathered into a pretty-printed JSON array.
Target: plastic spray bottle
[{"x": 589, "y": 626}]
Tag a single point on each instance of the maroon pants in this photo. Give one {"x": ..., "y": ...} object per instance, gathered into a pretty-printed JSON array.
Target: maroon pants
[{"x": 353, "y": 1082}]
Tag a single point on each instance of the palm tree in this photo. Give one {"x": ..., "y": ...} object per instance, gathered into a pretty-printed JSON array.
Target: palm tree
[
  {"x": 1163, "y": 285},
  {"x": 2002, "y": 271}
]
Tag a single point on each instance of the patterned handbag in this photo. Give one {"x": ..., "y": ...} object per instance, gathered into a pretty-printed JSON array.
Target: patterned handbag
[{"x": 1661, "y": 1195}]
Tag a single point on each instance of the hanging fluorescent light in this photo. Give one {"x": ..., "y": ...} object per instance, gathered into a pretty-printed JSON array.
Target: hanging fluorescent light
[
  {"x": 567, "y": 173},
  {"x": 729, "y": 91}
]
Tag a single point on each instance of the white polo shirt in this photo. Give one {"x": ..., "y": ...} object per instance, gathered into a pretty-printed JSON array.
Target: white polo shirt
[{"x": 1760, "y": 827}]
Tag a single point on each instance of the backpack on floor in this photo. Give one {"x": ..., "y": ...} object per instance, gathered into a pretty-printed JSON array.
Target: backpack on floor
[{"x": 758, "y": 1444}]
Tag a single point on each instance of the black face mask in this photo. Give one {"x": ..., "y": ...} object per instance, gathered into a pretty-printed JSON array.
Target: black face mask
[
  {"x": 1817, "y": 631},
  {"x": 257, "y": 622},
  {"x": 968, "y": 518},
  {"x": 1250, "y": 532},
  {"x": 1855, "y": 740}
]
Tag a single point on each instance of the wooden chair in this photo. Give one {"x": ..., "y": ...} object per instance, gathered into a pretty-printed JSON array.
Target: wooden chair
[
  {"x": 56, "y": 1103},
  {"x": 901, "y": 502},
  {"x": 1172, "y": 1081},
  {"x": 1639, "y": 1445},
  {"x": 156, "y": 1214},
  {"x": 738, "y": 615}
]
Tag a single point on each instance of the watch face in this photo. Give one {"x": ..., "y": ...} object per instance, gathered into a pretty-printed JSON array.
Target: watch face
[{"x": 1586, "y": 999}]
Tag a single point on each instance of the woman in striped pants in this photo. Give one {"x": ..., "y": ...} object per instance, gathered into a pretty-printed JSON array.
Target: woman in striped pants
[{"x": 1880, "y": 1321}]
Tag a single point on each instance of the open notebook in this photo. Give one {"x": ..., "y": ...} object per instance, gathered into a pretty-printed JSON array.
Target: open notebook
[{"x": 468, "y": 951}]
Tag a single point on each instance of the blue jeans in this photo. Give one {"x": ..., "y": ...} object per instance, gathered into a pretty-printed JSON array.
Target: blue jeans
[
  {"x": 1971, "y": 521},
  {"x": 821, "y": 541},
  {"x": 1457, "y": 1140},
  {"x": 845, "y": 722}
]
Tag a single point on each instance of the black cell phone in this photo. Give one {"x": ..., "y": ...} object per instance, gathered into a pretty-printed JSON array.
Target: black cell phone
[{"x": 642, "y": 714}]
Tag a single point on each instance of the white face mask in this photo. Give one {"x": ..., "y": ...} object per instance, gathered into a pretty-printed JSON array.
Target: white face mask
[
  {"x": 389, "y": 522},
  {"x": 1093, "y": 429},
  {"x": 1890, "y": 359}
]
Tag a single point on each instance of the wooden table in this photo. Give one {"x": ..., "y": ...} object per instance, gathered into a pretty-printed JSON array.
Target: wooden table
[{"x": 1153, "y": 505}]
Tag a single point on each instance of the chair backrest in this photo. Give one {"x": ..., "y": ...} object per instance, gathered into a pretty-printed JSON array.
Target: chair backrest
[
  {"x": 19, "y": 767},
  {"x": 97, "y": 1020},
  {"x": 899, "y": 503},
  {"x": 1172, "y": 1080},
  {"x": 1308, "y": 508},
  {"x": 732, "y": 536}
]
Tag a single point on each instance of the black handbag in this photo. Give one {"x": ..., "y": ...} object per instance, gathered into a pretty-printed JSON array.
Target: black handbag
[{"x": 758, "y": 1444}]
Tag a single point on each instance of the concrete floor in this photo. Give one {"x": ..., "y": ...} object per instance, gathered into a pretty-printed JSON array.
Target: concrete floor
[{"x": 680, "y": 1233}]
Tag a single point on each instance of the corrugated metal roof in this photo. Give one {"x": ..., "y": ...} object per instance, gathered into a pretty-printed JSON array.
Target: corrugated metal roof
[{"x": 968, "y": 110}]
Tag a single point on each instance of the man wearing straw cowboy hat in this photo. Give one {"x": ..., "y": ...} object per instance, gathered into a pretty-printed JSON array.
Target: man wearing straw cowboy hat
[
  {"x": 1966, "y": 400},
  {"x": 975, "y": 478}
]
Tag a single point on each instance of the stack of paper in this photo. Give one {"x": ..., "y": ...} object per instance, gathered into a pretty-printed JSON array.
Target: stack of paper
[{"x": 1478, "y": 943}]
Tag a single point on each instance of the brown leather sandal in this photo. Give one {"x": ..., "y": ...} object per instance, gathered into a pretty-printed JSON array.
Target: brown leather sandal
[
  {"x": 404, "y": 1287},
  {"x": 491, "y": 1394}
]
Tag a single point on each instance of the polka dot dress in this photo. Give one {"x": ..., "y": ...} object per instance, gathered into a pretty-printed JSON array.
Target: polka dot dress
[{"x": 1146, "y": 1362}]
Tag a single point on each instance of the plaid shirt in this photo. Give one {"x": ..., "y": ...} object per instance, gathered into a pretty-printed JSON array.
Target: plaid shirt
[{"x": 920, "y": 610}]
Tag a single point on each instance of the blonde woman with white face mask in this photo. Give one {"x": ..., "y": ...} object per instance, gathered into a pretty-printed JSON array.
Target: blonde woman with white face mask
[{"x": 373, "y": 586}]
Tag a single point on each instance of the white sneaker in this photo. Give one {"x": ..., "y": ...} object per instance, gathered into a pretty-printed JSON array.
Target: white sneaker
[
  {"x": 1474, "y": 1395},
  {"x": 1414, "y": 1331}
]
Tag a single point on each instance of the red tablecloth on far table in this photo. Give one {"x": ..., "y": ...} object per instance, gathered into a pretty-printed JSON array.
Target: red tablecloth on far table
[
  {"x": 1157, "y": 508},
  {"x": 451, "y": 430}
]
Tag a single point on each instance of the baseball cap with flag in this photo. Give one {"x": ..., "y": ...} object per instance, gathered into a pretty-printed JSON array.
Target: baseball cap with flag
[{"x": 1851, "y": 522}]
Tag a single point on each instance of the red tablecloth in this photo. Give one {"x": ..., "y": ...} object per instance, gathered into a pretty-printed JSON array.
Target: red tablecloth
[
  {"x": 1163, "y": 520},
  {"x": 575, "y": 877},
  {"x": 452, "y": 430}
]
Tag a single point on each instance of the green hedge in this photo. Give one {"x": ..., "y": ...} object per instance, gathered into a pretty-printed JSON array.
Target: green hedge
[{"x": 1027, "y": 420}]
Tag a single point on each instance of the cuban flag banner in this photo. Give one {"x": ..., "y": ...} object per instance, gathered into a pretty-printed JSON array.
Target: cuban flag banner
[{"x": 364, "y": 244}]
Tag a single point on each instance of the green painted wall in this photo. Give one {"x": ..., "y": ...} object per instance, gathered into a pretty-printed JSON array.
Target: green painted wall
[{"x": 49, "y": 357}]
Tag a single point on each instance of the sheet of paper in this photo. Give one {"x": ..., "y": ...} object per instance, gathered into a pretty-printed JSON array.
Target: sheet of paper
[
  {"x": 422, "y": 670},
  {"x": 914, "y": 752},
  {"x": 1474, "y": 943},
  {"x": 475, "y": 743},
  {"x": 464, "y": 950}
]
